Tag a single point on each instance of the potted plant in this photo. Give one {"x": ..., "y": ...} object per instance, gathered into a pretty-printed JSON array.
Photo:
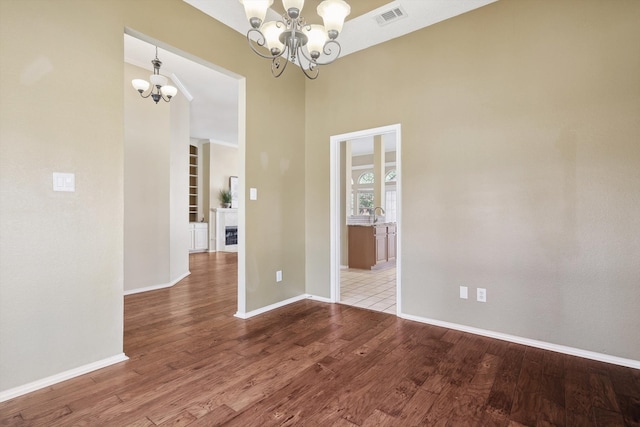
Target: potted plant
[{"x": 225, "y": 198}]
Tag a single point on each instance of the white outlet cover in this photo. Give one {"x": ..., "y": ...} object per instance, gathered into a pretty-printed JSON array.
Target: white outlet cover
[
  {"x": 279, "y": 276},
  {"x": 253, "y": 194},
  {"x": 482, "y": 295}
]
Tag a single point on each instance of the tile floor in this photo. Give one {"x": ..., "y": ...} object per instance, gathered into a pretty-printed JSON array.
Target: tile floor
[{"x": 375, "y": 290}]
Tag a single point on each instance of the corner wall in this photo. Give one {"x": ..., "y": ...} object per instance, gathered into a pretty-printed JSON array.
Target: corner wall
[{"x": 520, "y": 167}]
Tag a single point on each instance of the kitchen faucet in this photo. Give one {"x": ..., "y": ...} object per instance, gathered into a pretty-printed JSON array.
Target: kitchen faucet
[{"x": 375, "y": 217}]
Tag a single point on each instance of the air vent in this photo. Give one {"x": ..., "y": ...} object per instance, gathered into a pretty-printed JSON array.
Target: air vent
[{"x": 390, "y": 16}]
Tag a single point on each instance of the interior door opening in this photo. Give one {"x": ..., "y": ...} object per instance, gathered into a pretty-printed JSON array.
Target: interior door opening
[
  {"x": 190, "y": 198},
  {"x": 366, "y": 219}
]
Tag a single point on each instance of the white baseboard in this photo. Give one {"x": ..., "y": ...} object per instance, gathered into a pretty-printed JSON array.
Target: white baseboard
[
  {"x": 156, "y": 287},
  {"x": 271, "y": 307},
  {"x": 600, "y": 357},
  {"x": 63, "y": 376},
  {"x": 321, "y": 299}
]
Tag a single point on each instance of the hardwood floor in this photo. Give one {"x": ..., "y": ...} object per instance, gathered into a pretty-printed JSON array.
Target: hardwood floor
[{"x": 314, "y": 364}]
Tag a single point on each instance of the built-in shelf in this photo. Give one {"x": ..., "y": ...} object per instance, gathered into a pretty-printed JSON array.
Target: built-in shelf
[{"x": 193, "y": 183}]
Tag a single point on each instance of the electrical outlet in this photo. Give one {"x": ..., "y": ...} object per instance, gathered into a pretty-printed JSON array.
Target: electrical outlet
[
  {"x": 279, "y": 276},
  {"x": 482, "y": 295},
  {"x": 464, "y": 292}
]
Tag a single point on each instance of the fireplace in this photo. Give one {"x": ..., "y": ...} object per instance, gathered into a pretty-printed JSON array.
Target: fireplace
[
  {"x": 224, "y": 235},
  {"x": 231, "y": 235}
]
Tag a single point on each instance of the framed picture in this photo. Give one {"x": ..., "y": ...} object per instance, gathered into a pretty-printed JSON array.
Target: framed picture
[{"x": 233, "y": 187}]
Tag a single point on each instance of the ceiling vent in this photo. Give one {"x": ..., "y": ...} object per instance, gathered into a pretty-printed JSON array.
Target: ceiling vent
[{"x": 391, "y": 15}]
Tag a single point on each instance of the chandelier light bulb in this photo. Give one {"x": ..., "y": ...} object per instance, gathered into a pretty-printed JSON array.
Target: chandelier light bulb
[
  {"x": 157, "y": 80},
  {"x": 169, "y": 91},
  {"x": 333, "y": 13},
  {"x": 293, "y": 7},
  {"x": 317, "y": 38},
  {"x": 256, "y": 10},
  {"x": 140, "y": 85},
  {"x": 272, "y": 31}
]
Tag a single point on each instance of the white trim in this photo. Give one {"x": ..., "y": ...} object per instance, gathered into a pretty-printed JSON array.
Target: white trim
[
  {"x": 270, "y": 307},
  {"x": 62, "y": 376},
  {"x": 225, "y": 143},
  {"x": 362, "y": 167},
  {"x": 242, "y": 223},
  {"x": 600, "y": 357},
  {"x": 156, "y": 287},
  {"x": 181, "y": 87},
  {"x": 320, "y": 299}
]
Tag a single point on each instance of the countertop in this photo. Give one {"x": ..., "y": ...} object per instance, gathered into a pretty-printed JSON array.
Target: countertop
[{"x": 372, "y": 224}]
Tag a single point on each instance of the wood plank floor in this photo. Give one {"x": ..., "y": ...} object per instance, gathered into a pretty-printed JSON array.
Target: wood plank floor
[{"x": 314, "y": 364}]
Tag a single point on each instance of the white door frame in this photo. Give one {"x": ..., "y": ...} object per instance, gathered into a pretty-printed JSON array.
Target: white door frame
[{"x": 336, "y": 201}]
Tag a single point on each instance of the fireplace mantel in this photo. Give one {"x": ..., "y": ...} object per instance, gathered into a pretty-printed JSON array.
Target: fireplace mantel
[{"x": 222, "y": 219}]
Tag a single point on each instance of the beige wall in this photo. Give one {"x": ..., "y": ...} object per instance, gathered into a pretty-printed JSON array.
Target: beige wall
[
  {"x": 62, "y": 110},
  {"x": 520, "y": 167},
  {"x": 224, "y": 163}
]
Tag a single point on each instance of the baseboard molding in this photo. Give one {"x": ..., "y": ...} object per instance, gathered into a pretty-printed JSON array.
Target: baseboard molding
[
  {"x": 600, "y": 357},
  {"x": 321, "y": 299},
  {"x": 156, "y": 287},
  {"x": 63, "y": 376},
  {"x": 271, "y": 307}
]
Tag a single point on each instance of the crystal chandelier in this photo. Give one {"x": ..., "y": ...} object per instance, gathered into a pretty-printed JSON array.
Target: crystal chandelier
[
  {"x": 159, "y": 88},
  {"x": 293, "y": 36}
]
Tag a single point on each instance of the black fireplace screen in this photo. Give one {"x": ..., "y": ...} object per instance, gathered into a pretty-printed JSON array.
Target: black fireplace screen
[{"x": 231, "y": 235}]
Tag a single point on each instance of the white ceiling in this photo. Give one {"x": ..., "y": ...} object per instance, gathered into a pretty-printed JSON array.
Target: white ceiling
[{"x": 213, "y": 95}]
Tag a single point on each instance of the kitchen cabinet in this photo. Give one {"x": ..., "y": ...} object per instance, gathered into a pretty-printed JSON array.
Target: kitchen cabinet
[
  {"x": 371, "y": 246},
  {"x": 391, "y": 242},
  {"x": 198, "y": 236}
]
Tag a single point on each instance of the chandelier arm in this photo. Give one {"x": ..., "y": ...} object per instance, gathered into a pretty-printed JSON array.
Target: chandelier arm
[
  {"x": 278, "y": 65},
  {"x": 312, "y": 73},
  {"x": 328, "y": 51},
  {"x": 260, "y": 41}
]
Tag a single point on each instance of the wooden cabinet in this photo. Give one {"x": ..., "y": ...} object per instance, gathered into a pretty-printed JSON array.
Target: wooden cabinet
[
  {"x": 371, "y": 246},
  {"x": 198, "y": 236},
  {"x": 381, "y": 244},
  {"x": 391, "y": 242}
]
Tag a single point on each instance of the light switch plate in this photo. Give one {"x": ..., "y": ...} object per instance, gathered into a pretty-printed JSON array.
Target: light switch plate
[
  {"x": 464, "y": 292},
  {"x": 482, "y": 295},
  {"x": 253, "y": 194},
  {"x": 64, "y": 181}
]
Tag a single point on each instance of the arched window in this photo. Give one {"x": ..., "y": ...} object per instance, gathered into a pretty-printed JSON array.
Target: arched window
[
  {"x": 366, "y": 178},
  {"x": 391, "y": 176}
]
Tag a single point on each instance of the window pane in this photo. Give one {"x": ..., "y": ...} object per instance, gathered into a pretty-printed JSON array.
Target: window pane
[
  {"x": 390, "y": 207},
  {"x": 365, "y": 203},
  {"x": 366, "y": 178},
  {"x": 391, "y": 176}
]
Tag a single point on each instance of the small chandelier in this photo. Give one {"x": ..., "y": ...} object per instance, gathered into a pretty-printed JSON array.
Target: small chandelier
[
  {"x": 159, "y": 88},
  {"x": 294, "y": 36}
]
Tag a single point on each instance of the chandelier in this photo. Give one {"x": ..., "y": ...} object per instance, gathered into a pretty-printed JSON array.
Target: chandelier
[
  {"x": 159, "y": 88},
  {"x": 292, "y": 38}
]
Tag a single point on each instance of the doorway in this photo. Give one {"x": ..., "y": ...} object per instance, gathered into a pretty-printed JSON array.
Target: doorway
[
  {"x": 171, "y": 177},
  {"x": 356, "y": 207}
]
